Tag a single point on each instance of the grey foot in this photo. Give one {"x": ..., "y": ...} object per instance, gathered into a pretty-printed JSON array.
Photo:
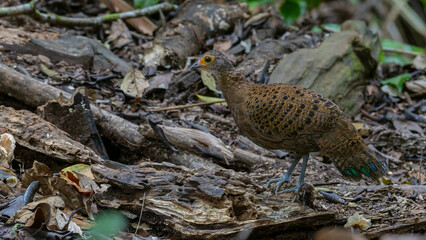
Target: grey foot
[
  {"x": 295, "y": 189},
  {"x": 280, "y": 181}
]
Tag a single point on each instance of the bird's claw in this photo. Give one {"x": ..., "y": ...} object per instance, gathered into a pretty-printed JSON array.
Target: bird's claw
[
  {"x": 280, "y": 181},
  {"x": 293, "y": 189}
]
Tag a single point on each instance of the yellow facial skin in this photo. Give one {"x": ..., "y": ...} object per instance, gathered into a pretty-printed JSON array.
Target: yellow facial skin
[{"x": 206, "y": 60}]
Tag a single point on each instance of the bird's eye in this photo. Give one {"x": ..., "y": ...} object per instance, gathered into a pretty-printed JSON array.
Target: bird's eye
[{"x": 207, "y": 59}]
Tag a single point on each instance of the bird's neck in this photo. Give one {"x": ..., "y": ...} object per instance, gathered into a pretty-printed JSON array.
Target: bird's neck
[{"x": 234, "y": 86}]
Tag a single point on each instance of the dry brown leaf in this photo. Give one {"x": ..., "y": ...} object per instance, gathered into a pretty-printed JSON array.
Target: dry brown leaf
[
  {"x": 420, "y": 62},
  {"x": 417, "y": 86},
  {"x": 119, "y": 33},
  {"x": 40, "y": 217},
  {"x": 410, "y": 125},
  {"x": 40, "y": 211},
  {"x": 160, "y": 82},
  {"x": 222, "y": 45},
  {"x": 142, "y": 24},
  {"x": 7, "y": 148},
  {"x": 134, "y": 83},
  {"x": 371, "y": 89},
  {"x": 358, "y": 221},
  {"x": 62, "y": 220}
]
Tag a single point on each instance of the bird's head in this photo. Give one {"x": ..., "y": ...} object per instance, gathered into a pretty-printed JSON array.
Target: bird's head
[{"x": 214, "y": 62}]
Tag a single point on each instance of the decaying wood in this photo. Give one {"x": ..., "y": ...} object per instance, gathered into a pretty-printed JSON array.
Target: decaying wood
[
  {"x": 35, "y": 133},
  {"x": 188, "y": 139},
  {"x": 183, "y": 35},
  {"x": 75, "y": 50},
  {"x": 204, "y": 204},
  {"x": 35, "y": 93},
  {"x": 250, "y": 159},
  {"x": 119, "y": 130},
  {"x": 185, "y": 106},
  {"x": 74, "y": 116},
  {"x": 409, "y": 225}
]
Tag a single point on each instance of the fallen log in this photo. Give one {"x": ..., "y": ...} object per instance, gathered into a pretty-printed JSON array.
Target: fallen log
[
  {"x": 35, "y": 93},
  {"x": 183, "y": 35},
  {"x": 75, "y": 117},
  {"x": 33, "y": 132},
  {"x": 122, "y": 132},
  {"x": 205, "y": 204}
]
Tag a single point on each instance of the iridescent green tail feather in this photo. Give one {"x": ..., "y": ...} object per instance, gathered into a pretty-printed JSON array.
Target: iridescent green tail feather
[
  {"x": 361, "y": 163},
  {"x": 351, "y": 156}
]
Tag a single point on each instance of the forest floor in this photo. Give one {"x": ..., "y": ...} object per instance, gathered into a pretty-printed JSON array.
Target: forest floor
[{"x": 183, "y": 170}]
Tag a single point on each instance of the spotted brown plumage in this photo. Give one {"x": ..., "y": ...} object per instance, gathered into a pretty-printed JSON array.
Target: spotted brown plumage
[{"x": 281, "y": 116}]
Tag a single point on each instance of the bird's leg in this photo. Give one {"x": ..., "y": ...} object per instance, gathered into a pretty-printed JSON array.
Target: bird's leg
[
  {"x": 301, "y": 179},
  {"x": 286, "y": 177}
]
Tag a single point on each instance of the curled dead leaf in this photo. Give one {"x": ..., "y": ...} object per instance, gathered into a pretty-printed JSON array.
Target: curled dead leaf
[
  {"x": 417, "y": 86},
  {"x": 358, "y": 221},
  {"x": 222, "y": 45},
  {"x": 80, "y": 177},
  {"x": 7, "y": 147}
]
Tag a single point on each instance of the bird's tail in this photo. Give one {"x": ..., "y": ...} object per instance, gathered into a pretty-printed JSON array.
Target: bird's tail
[{"x": 350, "y": 154}]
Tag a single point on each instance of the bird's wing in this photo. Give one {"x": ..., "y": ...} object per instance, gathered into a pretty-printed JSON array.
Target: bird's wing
[{"x": 281, "y": 112}]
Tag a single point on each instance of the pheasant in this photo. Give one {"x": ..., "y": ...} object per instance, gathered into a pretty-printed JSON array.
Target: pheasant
[{"x": 281, "y": 116}]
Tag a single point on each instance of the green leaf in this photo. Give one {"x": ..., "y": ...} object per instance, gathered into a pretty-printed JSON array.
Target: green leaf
[
  {"x": 109, "y": 223},
  {"x": 209, "y": 81},
  {"x": 395, "y": 58},
  {"x": 313, "y": 3},
  {"x": 316, "y": 29},
  {"x": 390, "y": 45},
  {"x": 211, "y": 99},
  {"x": 139, "y": 4},
  {"x": 291, "y": 10},
  {"x": 255, "y": 3},
  {"x": 332, "y": 27},
  {"x": 398, "y": 52},
  {"x": 397, "y": 81}
]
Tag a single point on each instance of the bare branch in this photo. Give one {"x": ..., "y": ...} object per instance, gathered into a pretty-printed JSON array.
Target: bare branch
[
  {"x": 61, "y": 20},
  {"x": 17, "y": 10}
]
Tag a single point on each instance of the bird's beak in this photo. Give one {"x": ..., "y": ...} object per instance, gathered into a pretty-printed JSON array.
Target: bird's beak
[{"x": 196, "y": 65}]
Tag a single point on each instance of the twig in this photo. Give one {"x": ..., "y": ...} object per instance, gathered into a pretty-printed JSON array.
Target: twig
[
  {"x": 218, "y": 118},
  {"x": 211, "y": 153},
  {"x": 374, "y": 118},
  {"x": 61, "y": 20},
  {"x": 72, "y": 214},
  {"x": 51, "y": 18},
  {"x": 140, "y": 215},
  {"x": 408, "y": 98},
  {"x": 17, "y": 10},
  {"x": 184, "y": 106}
]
